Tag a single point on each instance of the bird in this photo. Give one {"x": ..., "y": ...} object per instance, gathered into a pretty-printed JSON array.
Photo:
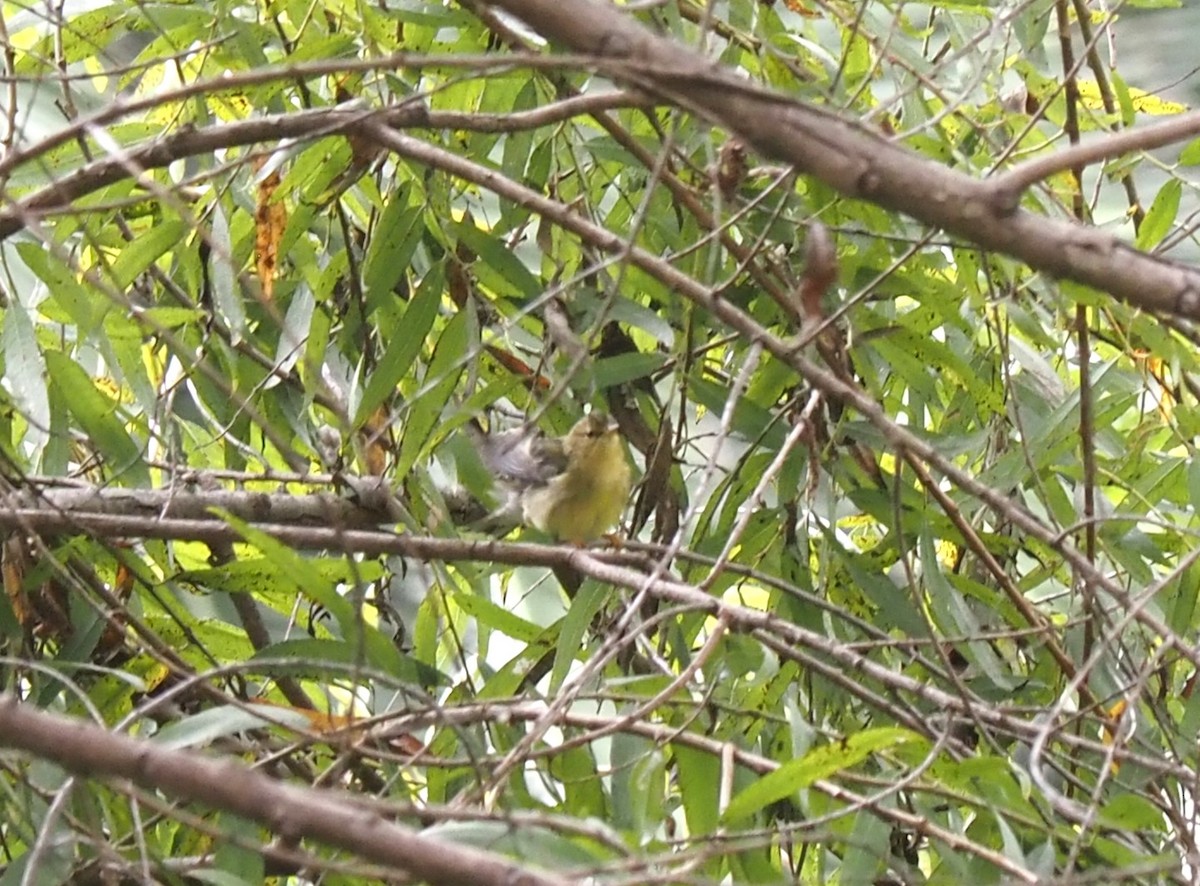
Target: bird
[{"x": 574, "y": 487}]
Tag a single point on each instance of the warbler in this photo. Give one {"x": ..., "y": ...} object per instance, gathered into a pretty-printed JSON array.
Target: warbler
[{"x": 574, "y": 487}]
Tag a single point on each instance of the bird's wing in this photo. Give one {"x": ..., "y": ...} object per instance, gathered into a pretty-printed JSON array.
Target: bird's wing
[{"x": 522, "y": 458}]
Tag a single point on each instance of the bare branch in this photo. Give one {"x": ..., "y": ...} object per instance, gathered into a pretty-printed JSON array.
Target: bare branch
[
  {"x": 270, "y": 130},
  {"x": 1097, "y": 150},
  {"x": 288, "y": 810},
  {"x": 860, "y": 163}
]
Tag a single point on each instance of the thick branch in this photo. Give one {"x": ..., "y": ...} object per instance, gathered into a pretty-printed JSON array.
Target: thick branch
[
  {"x": 858, "y": 162},
  {"x": 291, "y": 811},
  {"x": 308, "y": 124},
  {"x": 829, "y": 657},
  {"x": 139, "y": 508}
]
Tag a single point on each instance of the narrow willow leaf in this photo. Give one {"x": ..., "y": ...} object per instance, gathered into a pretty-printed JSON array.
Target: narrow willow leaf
[{"x": 822, "y": 762}]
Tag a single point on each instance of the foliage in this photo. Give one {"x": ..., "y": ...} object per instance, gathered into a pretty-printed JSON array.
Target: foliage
[{"x": 216, "y": 275}]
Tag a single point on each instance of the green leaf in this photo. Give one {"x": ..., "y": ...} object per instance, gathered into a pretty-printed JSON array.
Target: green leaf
[
  {"x": 612, "y": 371},
  {"x": 488, "y": 613},
  {"x": 149, "y": 246},
  {"x": 587, "y": 603},
  {"x": 223, "y": 721},
  {"x": 233, "y": 862},
  {"x": 498, "y": 268},
  {"x": 549, "y": 850},
  {"x": 1129, "y": 812},
  {"x": 955, "y": 617},
  {"x": 402, "y": 349},
  {"x": 312, "y": 657},
  {"x": 867, "y": 849},
  {"x": 226, "y": 295},
  {"x": 822, "y": 762},
  {"x": 25, "y": 372},
  {"x": 1161, "y": 215},
  {"x": 81, "y": 306},
  {"x": 391, "y": 246},
  {"x": 699, "y": 788},
  {"x": 319, "y": 165},
  {"x": 430, "y": 404},
  {"x": 98, "y": 416},
  {"x": 377, "y": 650},
  {"x": 1190, "y": 155},
  {"x": 1124, "y": 100}
]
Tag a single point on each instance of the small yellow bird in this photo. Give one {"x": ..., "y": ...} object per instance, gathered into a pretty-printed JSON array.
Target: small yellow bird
[{"x": 574, "y": 488}]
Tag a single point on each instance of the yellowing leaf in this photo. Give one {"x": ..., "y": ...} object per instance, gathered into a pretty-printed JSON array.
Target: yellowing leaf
[
  {"x": 270, "y": 219},
  {"x": 318, "y": 721},
  {"x": 1145, "y": 102}
]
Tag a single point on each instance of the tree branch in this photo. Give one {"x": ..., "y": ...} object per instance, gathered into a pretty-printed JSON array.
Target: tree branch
[
  {"x": 293, "y": 812},
  {"x": 903, "y": 440},
  {"x": 859, "y": 163},
  {"x": 308, "y": 124}
]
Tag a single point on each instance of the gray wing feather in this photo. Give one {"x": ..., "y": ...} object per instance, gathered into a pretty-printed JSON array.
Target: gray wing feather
[{"x": 522, "y": 458}]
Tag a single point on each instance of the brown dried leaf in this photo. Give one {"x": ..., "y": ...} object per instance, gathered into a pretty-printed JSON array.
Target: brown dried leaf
[{"x": 270, "y": 220}]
